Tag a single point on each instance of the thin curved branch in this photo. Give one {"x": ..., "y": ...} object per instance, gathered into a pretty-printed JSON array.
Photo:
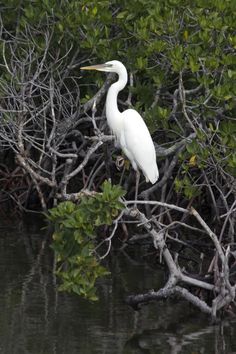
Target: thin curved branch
[{"x": 99, "y": 95}]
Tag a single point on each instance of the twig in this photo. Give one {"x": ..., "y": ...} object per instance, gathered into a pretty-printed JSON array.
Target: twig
[
  {"x": 109, "y": 239},
  {"x": 98, "y": 96}
]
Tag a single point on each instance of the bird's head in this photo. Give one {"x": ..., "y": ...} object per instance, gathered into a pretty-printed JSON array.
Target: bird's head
[{"x": 113, "y": 66}]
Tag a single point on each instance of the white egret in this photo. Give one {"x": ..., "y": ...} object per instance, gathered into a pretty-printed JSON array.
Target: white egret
[{"x": 129, "y": 127}]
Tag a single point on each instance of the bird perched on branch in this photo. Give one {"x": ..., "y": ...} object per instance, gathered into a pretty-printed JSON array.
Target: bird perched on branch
[{"x": 129, "y": 127}]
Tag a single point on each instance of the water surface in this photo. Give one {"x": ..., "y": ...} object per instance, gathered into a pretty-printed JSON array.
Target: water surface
[{"x": 35, "y": 318}]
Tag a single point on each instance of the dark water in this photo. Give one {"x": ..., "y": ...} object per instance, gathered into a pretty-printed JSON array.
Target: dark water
[{"x": 35, "y": 318}]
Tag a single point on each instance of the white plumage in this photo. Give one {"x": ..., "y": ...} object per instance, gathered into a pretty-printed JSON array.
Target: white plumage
[
  {"x": 137, "y": 145},
  {"x": 129, "y": 127}
]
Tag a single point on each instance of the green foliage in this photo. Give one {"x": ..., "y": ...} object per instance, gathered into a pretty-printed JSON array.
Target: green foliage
[
  {"x": 186, "y": 186},
  {"x": 227, "y": 134},
  {"x": 157, "y": 40},
  {"x": 74, "y": 238},
  {"x": 161, "y": 38}
]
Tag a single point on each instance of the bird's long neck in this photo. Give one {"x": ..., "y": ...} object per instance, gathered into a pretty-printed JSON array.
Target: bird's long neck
[{"x": 112, "y": 112}]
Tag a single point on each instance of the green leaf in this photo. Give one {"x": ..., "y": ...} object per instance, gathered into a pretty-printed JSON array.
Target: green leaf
[{"x": 73, "y": 240}]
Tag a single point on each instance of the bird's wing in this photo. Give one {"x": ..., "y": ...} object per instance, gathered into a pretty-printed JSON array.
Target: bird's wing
[{"x": 138, "y": 145}]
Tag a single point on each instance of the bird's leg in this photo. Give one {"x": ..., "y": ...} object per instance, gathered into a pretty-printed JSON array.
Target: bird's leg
[{"x": 136, "y": 187}]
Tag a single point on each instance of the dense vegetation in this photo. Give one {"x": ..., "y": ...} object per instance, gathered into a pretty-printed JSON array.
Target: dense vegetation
[{"x": 55, "y": 145}]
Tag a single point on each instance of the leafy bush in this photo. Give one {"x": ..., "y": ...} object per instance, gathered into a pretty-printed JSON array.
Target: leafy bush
[
  {"x": 75, "y": 225},
  {"x": 182, "y": 58}
]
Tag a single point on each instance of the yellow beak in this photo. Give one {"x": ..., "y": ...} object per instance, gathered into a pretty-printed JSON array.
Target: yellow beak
[{"x": 100, "y": 67}]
